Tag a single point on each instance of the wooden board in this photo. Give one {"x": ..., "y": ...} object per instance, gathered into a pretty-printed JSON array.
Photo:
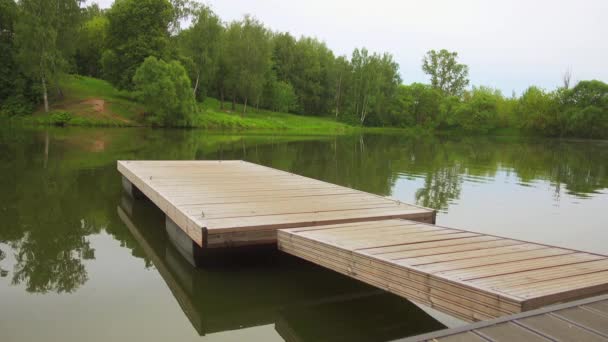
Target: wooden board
[
  {"x": 470, "y": 275},
  {"x": 232, "y": 203},
  {"x": 573, "y": 321}
]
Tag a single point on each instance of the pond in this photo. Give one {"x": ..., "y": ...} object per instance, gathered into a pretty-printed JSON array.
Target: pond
[{"x": 76, "y": 265}]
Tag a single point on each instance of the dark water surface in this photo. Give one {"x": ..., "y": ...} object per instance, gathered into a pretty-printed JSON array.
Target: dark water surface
[{"x": 80, "y": 262}]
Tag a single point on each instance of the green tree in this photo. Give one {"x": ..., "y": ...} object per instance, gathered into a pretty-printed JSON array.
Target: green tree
[
  {"x": 8, "y": 14},
  {"x": 248, "y": 56},
  {"x": 18, "y": 93},
  {"x": 165, "y": 90},
  {"x": 478, "y": 110},
  {"x": 375, "y": 81},
  {"x": 283, "y": 97},
  {"x": 137, "y": 29},
  {"x": 201, "y": 42},
  {"x": 446, "y": 73},
  {"x": 91, "y": 44},
  {"x": 45, "y": 35},
  {"x": 343, "y": 79},
  {"x": 183, "y": 10},
  {"x": 309, "y": 66},
  {"x": 586, "y": 106},
  {"x": 417, "y": 104},
  {"x": 536, "y": 111}
]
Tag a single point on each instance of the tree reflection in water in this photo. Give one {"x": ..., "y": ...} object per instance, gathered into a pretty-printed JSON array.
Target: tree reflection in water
[{"x": 53, "y": 202}]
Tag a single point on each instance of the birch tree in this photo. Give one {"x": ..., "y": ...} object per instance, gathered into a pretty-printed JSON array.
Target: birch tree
[
  {"x": 44, "y": 37},
  {"x": 248, "y": 54},
  {"x": 202, "y": 44}
]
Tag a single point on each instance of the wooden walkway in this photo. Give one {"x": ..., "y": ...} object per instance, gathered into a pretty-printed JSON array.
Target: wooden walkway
[
  {"x": 230, "y": 203},
  {"x": 583, "y": 320},
  {"x": 469, "y": 275}
]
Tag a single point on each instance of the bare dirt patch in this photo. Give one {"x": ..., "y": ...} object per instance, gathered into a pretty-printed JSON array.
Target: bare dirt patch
[{"x": 99, "y": 105}]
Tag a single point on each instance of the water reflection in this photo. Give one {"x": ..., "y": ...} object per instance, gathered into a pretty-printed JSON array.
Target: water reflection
[
  {"x": 60, "y": 188},
  {"x": 259, "y": 286}
]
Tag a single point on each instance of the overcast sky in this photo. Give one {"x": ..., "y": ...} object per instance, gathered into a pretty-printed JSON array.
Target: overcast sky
[{"x": 507, "y": 44}]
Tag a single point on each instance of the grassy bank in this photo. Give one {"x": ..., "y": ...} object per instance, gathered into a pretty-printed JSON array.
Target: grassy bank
[
  {"x": 212, "y": 117},
  {"x": 92, "y": 102}
]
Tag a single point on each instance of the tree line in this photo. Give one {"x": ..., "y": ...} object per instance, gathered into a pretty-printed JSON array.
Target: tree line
[{"x": 142, "y": 47}]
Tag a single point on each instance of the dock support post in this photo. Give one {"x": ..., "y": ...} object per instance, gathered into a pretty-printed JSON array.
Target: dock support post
[
  {"x": 131, "y": 189},
  {"x": 183, "y": 243}
]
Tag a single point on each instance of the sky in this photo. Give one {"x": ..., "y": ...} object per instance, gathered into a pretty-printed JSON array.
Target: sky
[{"x": 508, "y": 45}]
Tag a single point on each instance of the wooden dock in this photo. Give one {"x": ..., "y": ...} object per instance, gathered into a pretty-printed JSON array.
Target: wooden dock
[
  {"x": 583, "y": 320},
  {"x": 469, "y": 275},
  {"x": 231, "y": 203},
  {"x": 377, "y": 240}
]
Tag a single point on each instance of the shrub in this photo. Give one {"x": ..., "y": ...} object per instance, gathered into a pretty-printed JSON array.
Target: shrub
[
  {"x": 164, "y": 89},
  {"x": 16, "y": 105},
  {"x": 60, "y": 118}
]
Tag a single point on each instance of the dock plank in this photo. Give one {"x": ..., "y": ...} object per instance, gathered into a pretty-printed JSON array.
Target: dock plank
[
  {"x": 470, "y": 275},
  {"x": 230, "y": 203},
  {"x": 560, "y": 322},
  {"x": 556, "y": 329}
]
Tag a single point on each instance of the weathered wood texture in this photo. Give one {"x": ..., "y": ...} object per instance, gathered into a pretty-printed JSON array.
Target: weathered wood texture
[
  {"x": 230, "y": 203},
  {"x": 469, "y": 275},
  {"x": 582, "y": 320}
]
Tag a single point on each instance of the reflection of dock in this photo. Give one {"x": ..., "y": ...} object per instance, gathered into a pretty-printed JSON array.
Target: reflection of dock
[
  {"x": 583, "y": 320},
  {"x": 259, "y": 287},
  {"x": 373, "y": 317},
  {"x": 472, "y": 276},
  {"x": 180, "y": 294}
]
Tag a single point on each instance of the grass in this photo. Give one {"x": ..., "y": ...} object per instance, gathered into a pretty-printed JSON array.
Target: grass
[
  {"x": 89, "y": 101},
  {"x": 212, "y": 117}
]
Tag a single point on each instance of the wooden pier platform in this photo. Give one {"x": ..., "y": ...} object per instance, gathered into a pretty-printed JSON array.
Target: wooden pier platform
[
  {"x": 232, "y": 203},
  {"x": 469, "y": 275},
  {"x": 377, "y": 240},
  {"x": 582, "y": 320}
]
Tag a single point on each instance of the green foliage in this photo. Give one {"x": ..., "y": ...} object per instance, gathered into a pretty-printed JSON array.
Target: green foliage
[
  {"x": 307, "y": 64},
  {"x": 248, "y": 52},
  {"x": 586, "y": 108},
  {"x": 375, "y": 80},
  {"x": 416, "y": 104},
  {"x": 536, "y": 111},
  {"x": 283, "y": 97},
  {"x": 44, "y": 36},
  {"x": 18, "y": 93},
  {"x": 91, "y": 44},
  {"x": 8, "y": 16},
  {"x": 446, "y": 73},
  {"x": 248, "y": 64},
  {"x": 212, "y": 117},
  {"x": 60, "y": 118},
  {"x": 478, "y": 110},
  {"x": 201, "y": 43},
  {"x": 16, "y": 105},
  {"x": 137, "y": 29},
  {"x": 165, "y": 90}
]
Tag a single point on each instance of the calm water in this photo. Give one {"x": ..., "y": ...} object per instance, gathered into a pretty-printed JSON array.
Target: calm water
[{"x": 78, "y": 261}]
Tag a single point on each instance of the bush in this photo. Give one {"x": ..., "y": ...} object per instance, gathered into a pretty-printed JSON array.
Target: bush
[
  {"x": 478, "y": 111},
  {"x": 283, "y": 97},
  {"x": 165, "y": 90},
  {"x": 586, "y": 106},
  {"x": 16, "y": 105},
  {"x": 60, "y": 118}
]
